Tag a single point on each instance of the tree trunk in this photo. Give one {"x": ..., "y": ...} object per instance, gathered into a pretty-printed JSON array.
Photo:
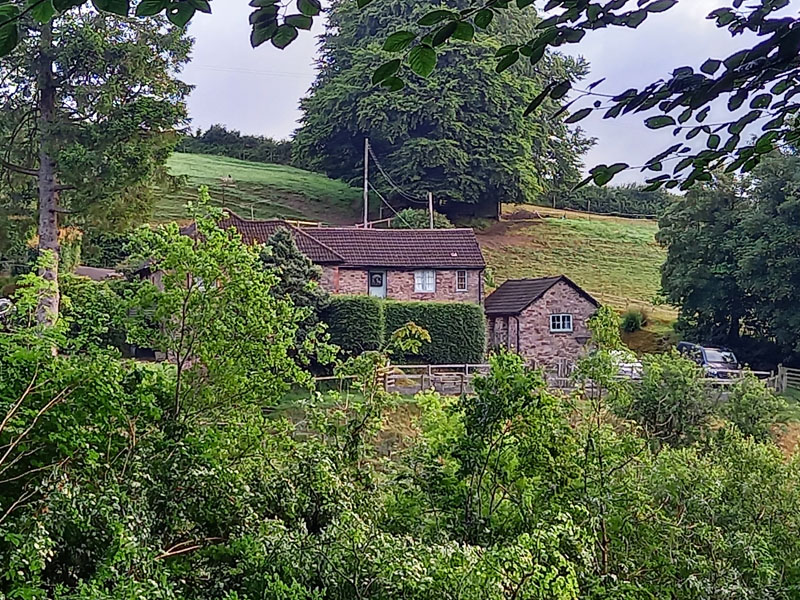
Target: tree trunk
[{"x": 47, "y": 310}]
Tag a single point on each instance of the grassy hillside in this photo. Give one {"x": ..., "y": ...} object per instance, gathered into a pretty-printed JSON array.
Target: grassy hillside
[
  {"x": 616, "y": 260},
  {"x": 258, "y": 189}
]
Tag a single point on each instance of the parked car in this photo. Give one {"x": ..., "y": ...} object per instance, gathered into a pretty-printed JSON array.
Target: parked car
[
  {"x": 628, "y": 366},
  {"x": 715, "y": 361}
]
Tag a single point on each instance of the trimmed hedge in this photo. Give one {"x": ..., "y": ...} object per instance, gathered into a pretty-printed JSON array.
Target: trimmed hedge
[
  {"x": 355, "y": 323},
  {"x": 458, "y": 330}
]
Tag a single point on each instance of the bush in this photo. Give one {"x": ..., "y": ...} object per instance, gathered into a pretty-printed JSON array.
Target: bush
[
  {"x": 356, "y": 323},
  {"x": 457, "y": 329},
  {"x": 417, "y": 218},
  {"x": 633, "y": 320},
  {"x": 753, "y": 408}
]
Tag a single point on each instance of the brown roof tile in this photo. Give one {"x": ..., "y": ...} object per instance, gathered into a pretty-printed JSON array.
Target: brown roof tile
[
  {"x": 403, "y": 248},
  {"x": 515, "y": 295}
]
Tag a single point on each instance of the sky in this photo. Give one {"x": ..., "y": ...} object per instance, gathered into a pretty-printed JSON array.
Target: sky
[{"x": 257, "y": 90}]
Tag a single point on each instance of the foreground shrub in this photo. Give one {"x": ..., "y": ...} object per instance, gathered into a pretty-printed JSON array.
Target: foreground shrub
[{"x": 753, "y": 408}]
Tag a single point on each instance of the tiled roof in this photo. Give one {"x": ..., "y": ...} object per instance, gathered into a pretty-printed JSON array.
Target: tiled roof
[
  {"x": 515, "y": 295},
  {"x": 259, "y": 232},
  {"x": 403, "y": 248}
]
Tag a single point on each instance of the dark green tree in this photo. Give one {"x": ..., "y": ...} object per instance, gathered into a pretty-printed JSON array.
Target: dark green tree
[
  {"x": 459, "y": 133},
  {"x": 298, "y": 279},
  {"x": 221, "y": 141},
  {"x": 415, "y": 218},
  {"x": 631, "y": 199},
  {"x": 89, "y": 107}
]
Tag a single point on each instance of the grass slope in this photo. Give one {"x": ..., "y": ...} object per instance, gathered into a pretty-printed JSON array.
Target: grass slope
[
  {"x": 616, "y": 260},
  {"x": 258, "y": 189}
]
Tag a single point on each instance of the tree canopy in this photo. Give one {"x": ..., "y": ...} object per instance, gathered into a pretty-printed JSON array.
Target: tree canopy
[
  {"x": 458, "y": 133},
  {"x": 732, "y": 260},
  {"x": 760, "y": 79}
]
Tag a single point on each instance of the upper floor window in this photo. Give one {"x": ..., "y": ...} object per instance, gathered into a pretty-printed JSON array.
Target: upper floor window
[
  {"x": 461, "y": 281},
  {"x": 425, "y": 281},
  {"x": 560, "y": 323}
]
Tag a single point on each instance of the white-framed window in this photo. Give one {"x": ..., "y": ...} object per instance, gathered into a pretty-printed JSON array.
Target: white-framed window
[
  {"x": 425, "y": 281},
  {"x": 461, "y": 281},
  {"x": 561, "y": 323}
]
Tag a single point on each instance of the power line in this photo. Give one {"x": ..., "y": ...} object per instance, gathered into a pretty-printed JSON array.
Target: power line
[
  {"x": 391, "y": 182},
  {"x": 396, "y": 214}
]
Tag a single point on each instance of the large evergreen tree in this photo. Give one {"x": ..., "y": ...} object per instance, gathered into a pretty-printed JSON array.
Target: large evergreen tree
[
  {"x": 88, "y": 108},
  {"x": 459, "y": 133}
]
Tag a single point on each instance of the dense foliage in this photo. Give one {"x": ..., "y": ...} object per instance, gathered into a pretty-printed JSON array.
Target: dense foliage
[
  {"x": 417, "y": 218},
  {"x": 459, "y": 133},
  {"x": 89, "y": 107},
  {"x": 457, "y": 330},
  {"x": 356, "y": 323},
  {"x": 628, "y": 200},
  {"x": 221, "y": 141},
  {"x": 729, "y": 263}
]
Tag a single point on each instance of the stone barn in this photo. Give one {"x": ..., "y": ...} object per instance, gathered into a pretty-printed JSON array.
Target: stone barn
[{"x": 544, "y": 320}]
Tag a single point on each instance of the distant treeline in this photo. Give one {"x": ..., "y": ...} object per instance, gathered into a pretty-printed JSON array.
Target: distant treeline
[
  {"x": 221, "y": 141},
  {"x": 630, "y": 199}
]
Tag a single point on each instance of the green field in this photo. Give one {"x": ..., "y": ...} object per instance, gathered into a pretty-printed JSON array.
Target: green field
[
  {"x": 616, "y": 260},
  {"x": 258, "y": 190}
]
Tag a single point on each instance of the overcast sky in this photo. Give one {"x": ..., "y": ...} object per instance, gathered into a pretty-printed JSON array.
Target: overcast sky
[{"x": 257, "y": 91}]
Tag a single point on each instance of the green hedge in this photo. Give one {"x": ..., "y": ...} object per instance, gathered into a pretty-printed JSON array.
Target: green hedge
[
  {"x": 356, "y": 323},
  {"x": 458, "y": 330}
]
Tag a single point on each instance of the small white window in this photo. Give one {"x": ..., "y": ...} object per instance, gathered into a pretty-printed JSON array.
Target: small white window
[
  {"x": 560, "y": 323},
  {"x": 424, "y": 281},
  {"x": 461, "y": 281}
]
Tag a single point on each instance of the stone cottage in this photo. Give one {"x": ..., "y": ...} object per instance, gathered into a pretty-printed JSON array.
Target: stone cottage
[
  {"x": 400, "y": 264},
  {"x": 543, "y": 319}
]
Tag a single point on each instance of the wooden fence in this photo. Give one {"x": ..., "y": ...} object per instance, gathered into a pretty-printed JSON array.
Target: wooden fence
[
  {"x": 789, "y": 378},
  {"x": 445, "y": 379}
]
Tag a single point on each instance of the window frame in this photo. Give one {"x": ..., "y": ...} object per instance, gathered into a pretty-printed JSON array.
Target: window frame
[
  {"x": 459, "y": 287},
  {"x": 423, "y": 277},
  {"x": 562, "y": 328}
]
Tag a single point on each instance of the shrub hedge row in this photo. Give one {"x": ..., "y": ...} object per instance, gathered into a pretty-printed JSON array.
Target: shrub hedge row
[
  {"x": 355, "y": 323},
  {"x": 458, "y": 329}
]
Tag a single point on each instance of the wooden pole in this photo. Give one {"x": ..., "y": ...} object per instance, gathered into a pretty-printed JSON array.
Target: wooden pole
[
  {"x": 430, "y": 208},
  {"x": 366, "y": 182}
]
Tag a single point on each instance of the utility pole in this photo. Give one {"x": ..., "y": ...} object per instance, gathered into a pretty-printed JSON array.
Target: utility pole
[
  {"x": 430, "y": 208},
  {"x": 366, "y": 182}
]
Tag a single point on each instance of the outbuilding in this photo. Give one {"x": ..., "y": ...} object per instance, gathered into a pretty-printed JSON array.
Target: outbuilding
[{"x": 545, "y": 320}]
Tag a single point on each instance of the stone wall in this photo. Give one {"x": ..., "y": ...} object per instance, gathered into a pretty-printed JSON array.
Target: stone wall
[
  {"x": 400, "y": 284},
  {"x": 536, "y": 342}
]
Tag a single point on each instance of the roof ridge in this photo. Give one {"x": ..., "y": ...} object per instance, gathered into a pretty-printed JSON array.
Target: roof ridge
[{"x": 316, "y": 241}]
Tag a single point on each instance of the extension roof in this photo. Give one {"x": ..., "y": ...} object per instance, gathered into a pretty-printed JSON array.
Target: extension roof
[
  {"x": 515, "y": 295},
  {"x": 370, "y": 248}
]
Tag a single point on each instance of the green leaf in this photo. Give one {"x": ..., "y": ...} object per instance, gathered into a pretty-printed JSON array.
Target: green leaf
[
  {"x": 483, "y": 18},
  {"x": 202, "y": 5},
  {"x": 299, "y": 21},
  {"x": 385, "y": 71},
  {"x": 362, "y": 3},
  {"x": 148, "y": 8},
  {"x": 422, "y": 60},
  {"x": 659, "y": 121},
  {"x": 283, "y": 36},
  {"x": 117, "y": 7},
  {"x": 9, "y": 36},
  {"x": 261, "y": 33},
  {"x": 536, "y": 102},
  {"x": 435, "y": 17},
  {"x": 578, "y": 115},
  {"x": 443, "y": 33},
  {"x": 180, "y": 13},
  {"x": 309, "y": 8},
  {"x": 713, "y": 141},
  {"x": 711, "y": 66},
  {"x": 393, "y": 84},
  {"x": 42, "y": 12},
  {"x": 560, "y": 90},
  {"x": 399, "y": 41},
  {"x": 661, "y": 5},
  {"x": 465, "y": 32},
  {"x": 507, "y": 61}
]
